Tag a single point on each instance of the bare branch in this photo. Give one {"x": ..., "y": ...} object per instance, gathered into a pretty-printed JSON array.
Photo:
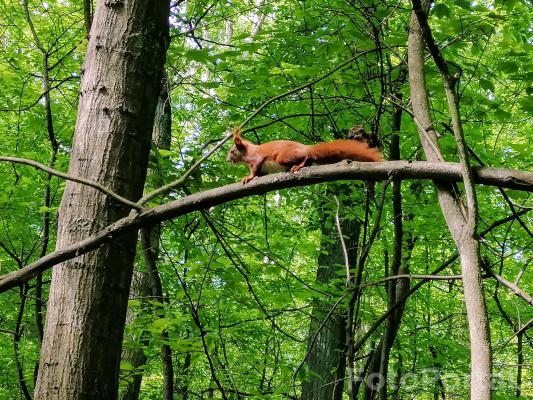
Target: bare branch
[
  {"x": 195, "y": 166},
  {"x": 509, "y": 285},
  {"x": 422, "y": 277},
  {"x": 343, "y": 243},
  {"x": 307, "y": 176},
  {"x": 77, "y": 179}
]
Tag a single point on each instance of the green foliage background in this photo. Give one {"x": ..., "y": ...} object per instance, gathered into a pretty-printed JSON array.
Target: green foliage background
[{"x": 239, "y": 271}]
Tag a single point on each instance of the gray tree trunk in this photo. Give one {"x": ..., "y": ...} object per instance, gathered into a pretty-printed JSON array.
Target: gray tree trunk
[
  {"x": 140, "y": 289},
  {"x": 376, "y": 378},
  {"x": 88, "y": 295},
  {"x": 455, "y": 215},
  {"x": 150, "y": 284},
  {"x": 327, "y": 356}
]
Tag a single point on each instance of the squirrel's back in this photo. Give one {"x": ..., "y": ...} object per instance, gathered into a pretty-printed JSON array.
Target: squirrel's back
[{"x": 344, "y": 149}]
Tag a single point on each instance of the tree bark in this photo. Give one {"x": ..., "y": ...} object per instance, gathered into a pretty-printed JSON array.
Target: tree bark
[
  {"x": 379, "y": 361},
  {"x": 519, "y": 364},
  {"x": 161, "y": 136},
  {"x": 88, "y": 295},
  {"x": 327, "y": 353},
  {"x": 151, "y": 286},
  {"x": 140, "y": 289},
  {"x": 150, "y": 245},
  {"x": 459, "y": 224}
]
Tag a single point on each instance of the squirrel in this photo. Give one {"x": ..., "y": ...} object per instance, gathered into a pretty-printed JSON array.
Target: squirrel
[{"x": 284, "y": 155}]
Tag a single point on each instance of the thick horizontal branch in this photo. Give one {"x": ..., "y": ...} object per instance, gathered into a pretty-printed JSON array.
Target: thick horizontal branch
[{"x": 200, "y": 201}]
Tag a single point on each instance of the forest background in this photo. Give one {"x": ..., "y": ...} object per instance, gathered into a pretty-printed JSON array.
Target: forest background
[{"x": 311, "y": 292}]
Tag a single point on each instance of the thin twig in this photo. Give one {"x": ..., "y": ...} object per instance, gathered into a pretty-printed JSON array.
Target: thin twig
[
  {"x": 304, "y": 86},
  {"x": 416, "y": 276},
  {"x": 76, "y": 179},
  {"x": 528, "y": 325},
  {"x": 343, "y": 244},
  {"x": 313, "y": 341},
  {"x": 311, "y": 175},
  {"x": 509, "y": 285},
  {"x": 194, "y": 167},
  {"x": 419, "y": 125}
]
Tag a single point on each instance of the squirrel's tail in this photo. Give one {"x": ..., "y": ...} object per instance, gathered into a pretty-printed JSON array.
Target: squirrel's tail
[{"x": 345, "y": 149}]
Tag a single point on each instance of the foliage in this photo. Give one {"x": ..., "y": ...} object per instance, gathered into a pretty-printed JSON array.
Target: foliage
[{"x": 240, "y": 278}]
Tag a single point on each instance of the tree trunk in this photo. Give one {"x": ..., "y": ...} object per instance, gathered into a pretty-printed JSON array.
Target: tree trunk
[
  {"x": 140, "y": 289},
  {"x": 377, "y": 375},
  {"x": 150, "y": 245},
  {"x": 150, "y": 236},
  {"x": 519, "y": 363},
  {"x": 88, "y": 295},
  {"x": 150, "y": 285},
  {"x": 327, "y": 355},
  {"x": 457, "y": 220}
]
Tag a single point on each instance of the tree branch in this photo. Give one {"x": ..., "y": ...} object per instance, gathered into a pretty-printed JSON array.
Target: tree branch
[
  {"x": 509, "y": 285},
  {"x": 195, "y": 166},
  {"x": 312, "y": 175},
  {"x": 457, "y": 125},
  {"x": 418, "y": 276},
  {"x": 77, "y": 179}
]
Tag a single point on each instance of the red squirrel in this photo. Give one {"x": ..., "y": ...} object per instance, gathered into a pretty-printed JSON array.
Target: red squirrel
[{"x": 284, "y": 155}]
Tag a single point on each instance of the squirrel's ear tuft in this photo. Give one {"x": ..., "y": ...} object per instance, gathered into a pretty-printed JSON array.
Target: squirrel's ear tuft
[{"x": 237, "y": 139}]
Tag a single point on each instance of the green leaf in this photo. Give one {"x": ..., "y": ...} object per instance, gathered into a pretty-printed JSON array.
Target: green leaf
[
  {"x": 396, "y": 39},
  {"x": 527, "y": 105},
  {"x": 201, "y": 55},
  {"x": 499, "y": 17},
  {"x": 463, "y": 4},
  {"x": 164, "y": 153},
  {"x": 510, "y": 4},
  {"x": 476, "y": 49},
  {"x": 160, "y": 324},
  {"x": 486, "y": 84},
  {"x": 441, "y": 10},
  {"x": 509, "y": 67},
  {"x": 250, "y": 46},
  {"x": 209, "y": 85},
  {"x": 303, "y": 373},
  {"x": 241, "y": 36},
  {"x": 521, "y": 148},
  {"x": 502, "y": 115},
  {"x": 126, "y": 366}
]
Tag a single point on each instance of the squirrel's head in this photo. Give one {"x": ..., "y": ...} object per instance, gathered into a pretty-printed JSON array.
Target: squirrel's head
[
  {"x": 235, "y": 154},
  {"x": 238, "y": 150}
]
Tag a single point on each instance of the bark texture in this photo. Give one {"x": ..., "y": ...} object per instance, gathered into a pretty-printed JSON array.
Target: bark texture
[
  {"x": 151, "y": 286},
  {"x": 376, "y": 379},
  {"x": 327, "y": 353},
  {"x": 88, "y": 295},
  {"x": 140, "y": 289},
  {"x": 460, "y": 225},
  {"x": 150, "y": 237}
]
